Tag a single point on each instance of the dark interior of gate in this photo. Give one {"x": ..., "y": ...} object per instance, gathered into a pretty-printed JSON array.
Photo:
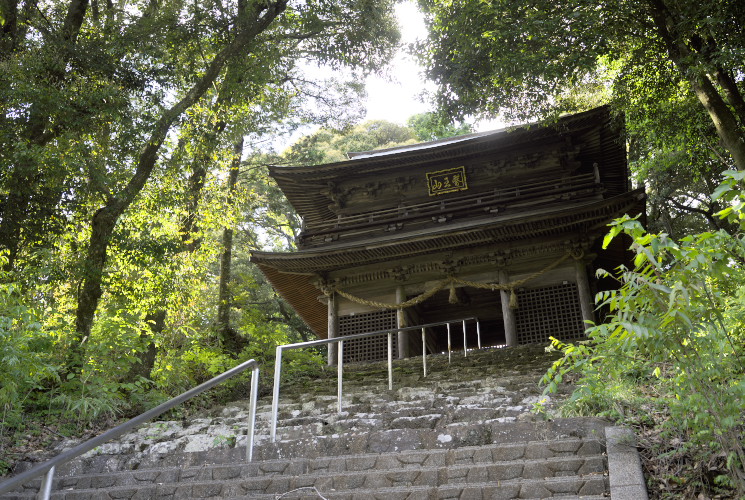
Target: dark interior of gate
[
  {"x": 542, "y": 313},
  {"x": 482, "y": 304}
]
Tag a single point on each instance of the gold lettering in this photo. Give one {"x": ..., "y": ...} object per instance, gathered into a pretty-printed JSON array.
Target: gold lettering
[{"x": 447, "y": 181}]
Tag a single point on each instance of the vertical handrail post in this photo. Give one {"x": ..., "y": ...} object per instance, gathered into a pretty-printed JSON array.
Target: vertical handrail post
[
  {"x": 275, "y": 391},
  {"x": 46, "y": 486},
  {"x": 465, "y": 342},
  {"x": 478, "y": 332},
  {"x": 424, "y": 351},
  {"x": 252, "y": 412},
  {"x": 390, "y": 361},
  {"x": 339, "y": 371},
  {"x": 450, "y": 344}
]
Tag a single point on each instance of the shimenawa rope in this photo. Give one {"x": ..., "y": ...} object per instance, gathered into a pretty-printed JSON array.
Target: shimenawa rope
[{"x": 451, "y": 281}]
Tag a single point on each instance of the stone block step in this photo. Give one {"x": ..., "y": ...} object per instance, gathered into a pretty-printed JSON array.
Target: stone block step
[
  {"x": 532, "y": 460},
  {"x": 565, "y": 488},
  {"x": 356, "y": 416},
  {"x": 453, "y": 435},
  {"x": 385, "y": 488},
  {"x": 141, "y": 454},
  {"x": 433, "y": 468}
]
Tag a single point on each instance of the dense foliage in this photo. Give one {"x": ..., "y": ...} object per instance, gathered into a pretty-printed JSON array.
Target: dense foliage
[
  {"x": 673, "y": 68},
  {"x": 671, "y": 352},
  {"x": 132, "y": 189}
]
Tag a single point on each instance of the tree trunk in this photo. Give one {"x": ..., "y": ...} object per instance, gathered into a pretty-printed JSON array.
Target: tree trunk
[
  {"x": 732, "y": 94},
  {"x": 145, "y": 363},
  {"x": 229, "y": 337},
  {"x": 189, "y": 233},
  {"x": 725, "y": 122},
  {"x": 25, "y": 185}
]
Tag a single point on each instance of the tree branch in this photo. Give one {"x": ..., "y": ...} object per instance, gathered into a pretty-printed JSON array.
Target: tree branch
[{"x": 708, "y": 214}]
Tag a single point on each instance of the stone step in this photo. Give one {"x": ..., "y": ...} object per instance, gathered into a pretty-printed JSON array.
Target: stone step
[
  {"x": 491, "y": 397},
  {"x": 385, "y": 485},
  {"x": 531, "y": 460},
  {"x": 290, "y": 415},
  {"x": 484, "y": 491},
  {"x": 204, "y": 449},
  {"x": 586, "y": 488},
  {"x": 452, "y": 435}
]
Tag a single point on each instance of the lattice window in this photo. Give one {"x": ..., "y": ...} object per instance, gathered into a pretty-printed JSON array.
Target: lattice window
[
  {"x": 369, "y": 349},
  {"x": 553, "y": 311}
]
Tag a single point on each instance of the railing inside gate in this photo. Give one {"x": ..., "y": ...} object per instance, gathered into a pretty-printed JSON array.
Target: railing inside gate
[{"x": 340, "y": 355}]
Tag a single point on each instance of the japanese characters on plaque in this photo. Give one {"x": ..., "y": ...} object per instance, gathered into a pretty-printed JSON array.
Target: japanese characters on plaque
[{"x": 447, "y": 181}]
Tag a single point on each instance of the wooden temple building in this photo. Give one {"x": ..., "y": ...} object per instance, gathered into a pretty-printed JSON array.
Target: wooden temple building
[{"x": 506, "y": 226}]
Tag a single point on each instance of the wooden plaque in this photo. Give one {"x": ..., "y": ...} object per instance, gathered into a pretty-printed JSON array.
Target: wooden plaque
[{"x": 447, "y": 181}]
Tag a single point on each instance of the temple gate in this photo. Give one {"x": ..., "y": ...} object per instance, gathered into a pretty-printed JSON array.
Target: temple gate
[{"x": 506, "y": 226}]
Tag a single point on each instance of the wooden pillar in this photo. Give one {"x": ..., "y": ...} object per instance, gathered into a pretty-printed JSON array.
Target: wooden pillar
[
  {"x": 585, "y": 295},
  {"x": 508, "y": 315},
  {"x": 403, "y": 338},
  {"x": 333, "y": 326}
]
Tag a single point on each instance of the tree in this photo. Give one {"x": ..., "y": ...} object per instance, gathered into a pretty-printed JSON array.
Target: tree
[
  {"x": 432, "y": 126},
  {"x": 226, "y": 258},
  {"x": 108, "y": 101},
  {"x": 327, "y": 145},
  {"x": 525, "y": 57}
]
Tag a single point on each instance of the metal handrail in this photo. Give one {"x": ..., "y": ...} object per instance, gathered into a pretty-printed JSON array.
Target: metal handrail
[
  {"x": 340, "y": 352},
  {"x": 117, "y": 431}
]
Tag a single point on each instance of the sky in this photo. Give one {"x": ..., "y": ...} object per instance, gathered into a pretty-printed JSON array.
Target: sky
[{"x": 398, "y": 97}]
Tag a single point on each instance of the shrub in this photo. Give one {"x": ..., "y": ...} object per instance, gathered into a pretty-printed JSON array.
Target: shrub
[{"x": 677, "y": 321}]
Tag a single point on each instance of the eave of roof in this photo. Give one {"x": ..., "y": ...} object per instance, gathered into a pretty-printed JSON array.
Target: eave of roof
[
  {"x": 592, "y": 215},
  {"x": 302, "y": 295},
  {"x": 303, "y": 185},
  {"x": 420, "y": 153}
]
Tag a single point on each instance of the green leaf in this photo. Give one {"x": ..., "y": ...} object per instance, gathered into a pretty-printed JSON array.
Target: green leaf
[{"x": 721, "y": 190}]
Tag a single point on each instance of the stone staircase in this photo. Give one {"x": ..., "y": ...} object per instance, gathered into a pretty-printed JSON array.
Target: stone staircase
[{"x": 465, "y": 431}]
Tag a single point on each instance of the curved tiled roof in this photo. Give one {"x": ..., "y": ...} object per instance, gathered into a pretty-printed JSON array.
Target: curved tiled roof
[{"x": 594, "y": 129}]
